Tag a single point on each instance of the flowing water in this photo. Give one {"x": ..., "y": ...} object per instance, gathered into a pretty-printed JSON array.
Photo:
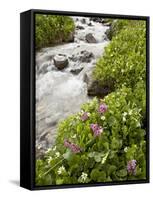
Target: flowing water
[{"x": 60, "y": 93}]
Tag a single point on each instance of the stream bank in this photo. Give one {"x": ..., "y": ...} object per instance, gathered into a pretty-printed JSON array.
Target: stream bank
[{"x": 63, "y": 77}]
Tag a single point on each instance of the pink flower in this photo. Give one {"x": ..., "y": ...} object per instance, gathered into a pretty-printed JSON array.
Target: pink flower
[
  {"x": 66, "y": 143},
  {"x": 74, "y": 148},
  {"x": 103, "y": 108},
  {"x": 97, "y": 130},
  {"x": 131, "y": 167},
  {"x": 84, "y": 116}
]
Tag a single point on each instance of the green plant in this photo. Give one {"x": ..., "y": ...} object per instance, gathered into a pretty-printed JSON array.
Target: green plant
[
  {"x": 51, "y": 29},
  {"x": 124, "y": 60},
  {"x": 103, "y": 157}
]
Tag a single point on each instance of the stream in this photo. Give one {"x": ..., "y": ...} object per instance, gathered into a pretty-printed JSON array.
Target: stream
[{"x": 61, "y": 92}]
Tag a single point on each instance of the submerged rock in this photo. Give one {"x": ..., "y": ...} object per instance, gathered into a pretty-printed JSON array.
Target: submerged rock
[
  {"x": 76, "y": 71},
  {"x": 60, "y": 61},
  {"x": 90, "y": 38},
  {"x": 78, "y": 27}
]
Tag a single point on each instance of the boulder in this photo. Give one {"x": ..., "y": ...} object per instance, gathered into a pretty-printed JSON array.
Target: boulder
[
  {"x": 83, "y": 56},
  {"x": 90, "y": 38},
  {"x": 86, "y": 56},
  {"x": 95, "y": 88},
  {"x": 60, "y": 61}
]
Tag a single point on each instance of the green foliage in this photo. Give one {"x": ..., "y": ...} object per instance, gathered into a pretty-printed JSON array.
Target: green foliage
[
  {"x": 51, "y": 29},
  {"x": 124, "y": 60},
  {"x": 103, "y": 158}
]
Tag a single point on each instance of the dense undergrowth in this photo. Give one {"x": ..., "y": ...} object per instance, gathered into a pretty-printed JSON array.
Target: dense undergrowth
[
  {"x": 51, "y": 29},
  {"x": 105, "y": 141}
]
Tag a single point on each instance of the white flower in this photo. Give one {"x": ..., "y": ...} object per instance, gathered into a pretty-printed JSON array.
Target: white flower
[
  {"x": 125, "y": 149},
  {"x": 57, "y": 154},
  {"x": 113, "y": 70},
  {"x": 122, "y": 70},
  {"x": 77, "y": 117},
  {"x": 138, "y": 124},
  {"x": 83, "y": 177},
  {"x": 124, "y": 119},
  {"x": 81, "y": 112},
  {"x": 61, "y": 170},
  {"x": 48, "y": 150},
  {"x": 54, "y": 149},
  {"x": 49, "y": 159},
  {"x": 39, "y": 146},
  {"x": 124, "y": 114},
  {"x": 130, "y": 112},
  {"x": 74, "y": 136},
  {"x": 88, "y": 114},
  {"x": 105, "y": 158},
  {"x": 103, "y": 118}
]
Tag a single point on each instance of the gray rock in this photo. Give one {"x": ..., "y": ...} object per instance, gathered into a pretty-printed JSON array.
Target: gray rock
[
  {"x": 83, "y": 56},
  {"x": 83, "y": 21},
  {"x": 90, "y": 24},
  {"x": 95, "y": 88},
  {"x": 90, "y": 38},
  {"x": 96, "y": 19},
  {"x": 76, "y": 71},
  {"x": 60, "y": 61},
  {"x": 86, "y": 56},
  {"x": 79, "y": 27}
]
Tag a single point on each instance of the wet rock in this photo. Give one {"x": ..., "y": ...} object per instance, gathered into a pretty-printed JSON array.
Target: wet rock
[
  {"x": 79, "y": 27},
  {"x": 83, "y": 56},
  {"x": 96, "y": 19},
  {"x": 76, "y": 71},
  {"x": 95, "y": 88},
  {"x": 70, "y": 38},
  {"x": 60, "y": 61},
  {"x": 90, "y": 38},
  {"x": 43, "y": 135},
  {"x": 83, "y": 21},
  {"x": 86, "y": 56},
  {"x": 90, "y": 24}
]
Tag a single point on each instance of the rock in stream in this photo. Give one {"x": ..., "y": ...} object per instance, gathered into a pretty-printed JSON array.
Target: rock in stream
[{"x": 60, "y": 85}]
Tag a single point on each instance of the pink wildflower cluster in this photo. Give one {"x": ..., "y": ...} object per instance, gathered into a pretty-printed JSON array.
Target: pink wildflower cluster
[
  {"x": 103, "y": 108},
  {"x": 84, "y": 116},
  {"x": 74, "y": 148},
  {"x": 97, "y": 130},
  {"x": 131, "y": 167}
]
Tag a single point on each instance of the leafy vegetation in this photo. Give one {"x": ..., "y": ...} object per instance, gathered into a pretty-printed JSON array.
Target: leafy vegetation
[
  {"x": 105, "y": 141},
  {"x": 124, "y": 60},
  {"x": 103, "y": 157},
  {"x": 51, "y": 29}
]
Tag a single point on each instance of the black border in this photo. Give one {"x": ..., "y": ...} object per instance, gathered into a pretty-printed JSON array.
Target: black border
[{"x": 27, "y": 143}]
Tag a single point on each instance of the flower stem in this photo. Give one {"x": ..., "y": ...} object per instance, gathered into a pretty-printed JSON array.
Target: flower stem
[{"x": 53, "y": 167}]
